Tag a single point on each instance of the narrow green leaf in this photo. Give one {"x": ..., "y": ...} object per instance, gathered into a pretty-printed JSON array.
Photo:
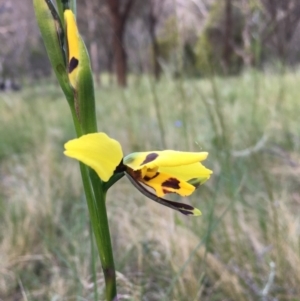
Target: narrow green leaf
[
  {"x": 85, "y": 92},
  {"x": 60, "y": 9}
]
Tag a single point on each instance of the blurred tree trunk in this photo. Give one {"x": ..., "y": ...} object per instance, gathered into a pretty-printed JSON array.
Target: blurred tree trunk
[
  {"x": 245, "y": 51},
  {"x": 152, "y": 17},
  {"x": 283, "y": 17},
  {"x": 95, "y": 61},
  {"x": 92, "y": 25},
  {"x": 118, "y": 19},
  {"x": 248, "y": 57},
  {"x": 227, "y": 49},
  {"x": 110, "y": 67}
]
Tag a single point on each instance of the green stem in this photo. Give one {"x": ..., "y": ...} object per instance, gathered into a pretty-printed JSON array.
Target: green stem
[
  {"x": 93, "y": 264},
  {"x": 99, "y": 221},
  {"x": 95, "y": 193},
  {"x": 102, "y": 234}
]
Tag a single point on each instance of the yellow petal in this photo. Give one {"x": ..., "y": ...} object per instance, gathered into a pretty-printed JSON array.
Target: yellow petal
[
  {"x": 73, "y": 46},
  {"x": 165, "y": 183},
  {"x": 196, "y": 212},
  {"x": 166, "y": 158},
  {"x": 97, "y": 151},
  {"x": 188, "y": 172}
]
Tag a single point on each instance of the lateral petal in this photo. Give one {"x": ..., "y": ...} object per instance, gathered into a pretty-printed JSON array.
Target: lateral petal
[
  {"x": 98, "y": 151},
  {"x": 188, "y": 172},
  {"x": 166, "y": 183},
  {"x": 166, "y": 158}
]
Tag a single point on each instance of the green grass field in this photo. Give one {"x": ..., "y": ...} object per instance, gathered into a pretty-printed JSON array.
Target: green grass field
[{"x": 245, "y": 246}]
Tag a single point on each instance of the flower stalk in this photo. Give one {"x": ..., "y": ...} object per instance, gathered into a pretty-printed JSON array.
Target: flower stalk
[{"x": 59, "y": 31}]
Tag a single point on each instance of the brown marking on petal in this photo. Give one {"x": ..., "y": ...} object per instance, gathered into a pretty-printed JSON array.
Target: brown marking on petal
[
  {"x": 149, "y": 158},
  {"x": 165, "y": 191},
  {"x": 172, "y": 183},
  {"x": 146, "y": 178},
  {"x": 135, "y": 174},
  {"x": 73, "y": 64}
]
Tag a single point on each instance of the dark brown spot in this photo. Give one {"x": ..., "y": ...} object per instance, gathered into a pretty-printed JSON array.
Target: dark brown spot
[
  {"x": 149, "y": 158},
  {"x": 172, "y": 183},
  {"x": 146, "y": 178},
  {"x": 120, "y": 168},
  {"x": 73, "y": 64},
  {"x": 135, "y": 174}
]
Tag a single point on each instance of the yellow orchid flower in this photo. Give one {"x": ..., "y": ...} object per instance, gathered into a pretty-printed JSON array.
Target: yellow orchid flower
[{"x": 165, "y": 171}]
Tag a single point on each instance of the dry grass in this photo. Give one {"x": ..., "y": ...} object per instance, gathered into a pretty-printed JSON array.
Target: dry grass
[{"x": 244, "y": 247}]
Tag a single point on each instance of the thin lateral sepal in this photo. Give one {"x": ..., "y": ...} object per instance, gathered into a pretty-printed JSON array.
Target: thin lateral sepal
[
  {"x": 60, "y": 10},
  {"x": 59, "y": 27}
]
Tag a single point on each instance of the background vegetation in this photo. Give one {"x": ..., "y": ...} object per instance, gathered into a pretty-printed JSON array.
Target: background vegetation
[
  {"x": 186, "y": 37},
  {"x": 241, "y": 107},
  {"x": 244, "y": 247}
]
